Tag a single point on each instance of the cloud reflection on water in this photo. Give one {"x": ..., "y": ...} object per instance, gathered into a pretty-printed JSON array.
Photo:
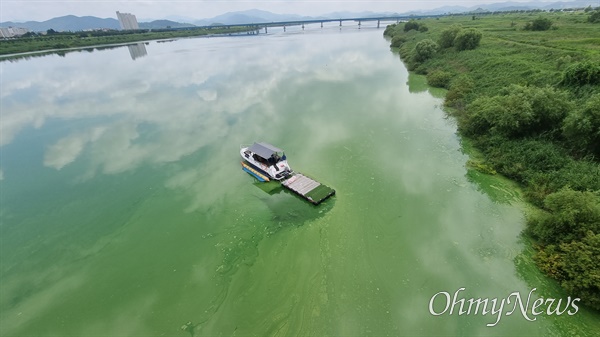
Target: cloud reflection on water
[{"x": 119, "y": 101}]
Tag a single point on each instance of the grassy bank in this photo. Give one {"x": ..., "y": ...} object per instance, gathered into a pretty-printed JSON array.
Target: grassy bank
[
  {"x": 525, "y": 90},
  {"x": 54, "y": 41}
]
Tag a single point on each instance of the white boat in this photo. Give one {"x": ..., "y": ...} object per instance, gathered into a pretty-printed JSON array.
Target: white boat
[{"x": 267, "y": 159}]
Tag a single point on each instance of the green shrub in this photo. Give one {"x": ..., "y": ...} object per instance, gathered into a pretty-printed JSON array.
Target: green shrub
[
  {"x": 519, "y": 111},
  {"x": 582, "y": 127},
  {"x": 439, "y": 79},
  {"x": 581, "y": 269},
  {"x": 582, "y": 73},
  {"x": 576, "y": 266},
  {"x": 410, "y": 25},
  {"x": 389, "y": 29},
  {"x": 425, "y": 49},
  {"x": 480, "y": 166},
  {"x": 522, "y": 159},
  {"x": 467, "y": 39},
  {"x": 568, "y": 217},
  {"x": 397, "y": 41},
  {"x": 568, "y": 229},
  {"x": 458, "y": 90},
  {"x": 448, "y": 35},
  {"x": 579, "y": 175},
  {"x": 539, "y": 24},
  {"x": 562, "y": 61},
  {"x": 595, "y": 17}
]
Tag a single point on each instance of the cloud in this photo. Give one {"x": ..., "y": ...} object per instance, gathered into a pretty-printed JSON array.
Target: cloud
[{"x": 208, "y": 95}]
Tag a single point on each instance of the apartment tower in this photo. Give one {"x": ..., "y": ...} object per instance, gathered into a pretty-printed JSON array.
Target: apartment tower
[{"x": 127, "y": 21}]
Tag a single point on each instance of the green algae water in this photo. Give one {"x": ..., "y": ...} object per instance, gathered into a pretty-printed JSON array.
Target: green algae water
[{"x": 124, "y": 210}]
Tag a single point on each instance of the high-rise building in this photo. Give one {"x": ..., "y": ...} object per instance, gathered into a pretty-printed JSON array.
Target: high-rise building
[
  {"x": 127, "y": 21},
  {"x": 12, "y": 31}
]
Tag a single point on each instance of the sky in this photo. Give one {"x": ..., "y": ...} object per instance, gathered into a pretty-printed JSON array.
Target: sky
[{"x": 41, "y": 10}]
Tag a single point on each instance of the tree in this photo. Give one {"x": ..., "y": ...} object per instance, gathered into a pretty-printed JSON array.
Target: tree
[
  {"x": 467, "y": 39},
  {"x": 425, "y": 49},
  {"x": 389, "y": 29},
  {"x": 595, "y": 17},
  {"x": 570, "y": 216},
  {"x": 448, "y": 35},
  {"x": 582, "y": 73},
  {"x": 582, "y": 127},
  {"x": 539, "y": 24},
  {"x": 581, "y": 269},
  {"x": 410, "y": 25},
  {"x": 439, "y": 78},
  {"x": 397, "y": 41},
  {"x": 519, "y": 111},
  {"x": 459, "y": 88}
]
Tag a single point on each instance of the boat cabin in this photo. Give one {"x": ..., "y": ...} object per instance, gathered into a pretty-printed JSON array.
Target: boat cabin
[{"x": 265, "y": 153}]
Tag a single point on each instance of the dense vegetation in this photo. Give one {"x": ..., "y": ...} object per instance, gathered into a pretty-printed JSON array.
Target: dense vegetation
[
  {"x": 525, "y": 88},
  {"x": 31, "y": 42}
]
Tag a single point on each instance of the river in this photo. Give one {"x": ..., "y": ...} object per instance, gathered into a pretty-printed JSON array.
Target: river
[{"x": 125, "y": 212}]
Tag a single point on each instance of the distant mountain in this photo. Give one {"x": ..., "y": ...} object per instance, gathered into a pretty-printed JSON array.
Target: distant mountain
[
  {"x": 160, "y": 24},
  {"x": 500, "y": 6},
  {"x": 350, "y": 15},
  {"x": 259, "y": 16},
  {"x": 508, "y": 6},
  {"x": 177, "y": 18},
  {"x": 249, "y": 16},
  {"x": 76, "y": 23},
  {"x": 66, "y": 23}
]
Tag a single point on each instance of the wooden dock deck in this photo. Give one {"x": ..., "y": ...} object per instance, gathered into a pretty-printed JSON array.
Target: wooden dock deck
[{"x": 308, "y": 188}]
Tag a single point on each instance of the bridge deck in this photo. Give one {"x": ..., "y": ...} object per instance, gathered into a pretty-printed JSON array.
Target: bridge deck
[{"x": 259, "y": 25}]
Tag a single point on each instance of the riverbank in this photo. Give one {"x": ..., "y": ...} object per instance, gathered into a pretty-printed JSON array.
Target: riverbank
[
  {"x": 70, "y": 40},
  {"x": 525, "y": 90}
]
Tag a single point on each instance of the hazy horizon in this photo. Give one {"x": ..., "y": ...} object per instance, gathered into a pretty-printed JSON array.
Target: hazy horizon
[{"x": 42, "y": 10}]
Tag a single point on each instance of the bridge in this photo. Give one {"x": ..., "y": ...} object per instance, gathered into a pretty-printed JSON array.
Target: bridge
[
  {"x": 302, "y": 23},
  {"x": 265, "y": 25}
]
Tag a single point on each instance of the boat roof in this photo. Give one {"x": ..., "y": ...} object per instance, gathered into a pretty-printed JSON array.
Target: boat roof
[{"x": 265, "y": 150}]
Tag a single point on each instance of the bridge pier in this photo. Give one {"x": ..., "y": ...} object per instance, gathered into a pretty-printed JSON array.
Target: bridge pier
[
  {"x": 340, "y": 23},
  {"x": 378, "y": 23},
  {"x": 302, "y": 26},
  {"x": 265, "y": 29},
  {"x": 284, "y": 28},
  {"x": 321, "y": 24},
  {"x": 358, "y": 24}
]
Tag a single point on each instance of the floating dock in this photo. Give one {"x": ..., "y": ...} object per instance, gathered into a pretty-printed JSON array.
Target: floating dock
[{"x": 308, "y": 188}]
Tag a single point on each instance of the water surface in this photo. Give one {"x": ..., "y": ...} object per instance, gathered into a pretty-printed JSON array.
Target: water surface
[{"x": 124, "y": 209}]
